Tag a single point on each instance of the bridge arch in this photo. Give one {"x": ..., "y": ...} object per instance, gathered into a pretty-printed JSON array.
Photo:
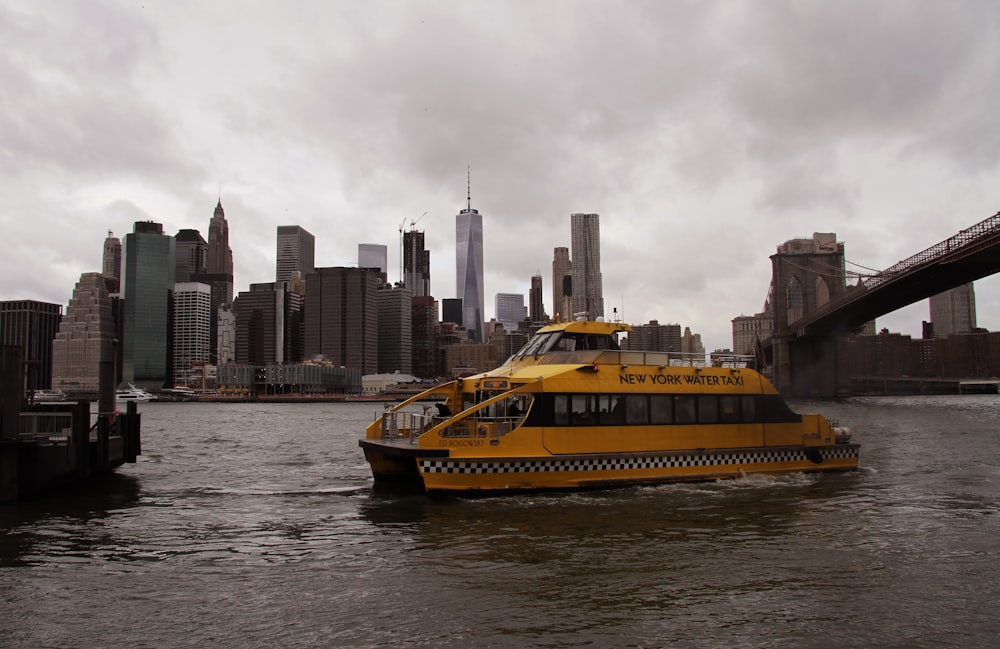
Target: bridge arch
[
  {"x": 794, "y": 299},
  {"x": 822, "y": 291},
  {"x": 806, "y": 274}
]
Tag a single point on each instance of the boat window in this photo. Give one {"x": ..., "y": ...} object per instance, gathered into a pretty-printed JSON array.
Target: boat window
[
  {"x": 616, "y": 410},
  {"x": 749, "y": 414},
  {"x": 552, "y": 342},
  {"x": 565, "y": 344},
  {"x": 657, "y": 409},
  {"x": 561, "y": 410},
  {"x": 584, "y": 412},
  {"x": 774, "y": 409},
  {"x": 661, "y": 409},
  {"x": 684, "y": 409},
  {"x": 602, "y": 342},
  {"x": 570, "y": 342},
  {"x": 729, "y": 409},
  {"x": 708, "y": 409},
  {"x": 536, "y": 345},
  {"x": 636, "y": 409},
  {"x": 518, "y": 405}
]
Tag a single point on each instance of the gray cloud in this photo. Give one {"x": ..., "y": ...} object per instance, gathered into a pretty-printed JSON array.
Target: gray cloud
[{"x": 704, "y": 135}]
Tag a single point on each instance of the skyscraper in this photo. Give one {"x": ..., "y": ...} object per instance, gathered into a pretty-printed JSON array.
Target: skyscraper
[
  {"x": 373, "y": 255},
  {"x": 416, "y": 264},
  {"x": 469, "y": 268},
  {"x": 451, "y": 310},
  {"x": 85, "y": 338},
  {"x": 341, "y": 317},
  {"x": 954, "y": 311},
  {"x": 395, "y": 329},
  {"x": 560, "y": 270},
  {"x": 267, "y": 318},
  {"x": 691, "y": 343},
  {"x": 190, "y": 255},
  {"x": 31, "y": 326},
  {"x": 588, "y": 292},
  {"x": 192, "y": 329},
  {"x": 424, "y": 320},
  {"x": 149, "y": 285},
  {"x": 220, "y": 255},
  {"x": 655, "y": 337},
  {"x": 218, "y": 273},
  {"x": 510, "y": 310},
  {"x": 296, "y": 252},
  {"x": 112, "y": 262},
  {"x": 536, "y": 308},
  {"x": 225, "y": 335}
]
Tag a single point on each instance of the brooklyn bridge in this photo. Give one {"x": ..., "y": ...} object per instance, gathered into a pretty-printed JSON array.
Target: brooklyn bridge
[{"x": 816, "y": 310}]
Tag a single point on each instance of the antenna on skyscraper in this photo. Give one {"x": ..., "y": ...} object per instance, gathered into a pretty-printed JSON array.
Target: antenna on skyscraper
[
  {"x": 401, "y": 224},
  {"x": 468, "y": 187}
]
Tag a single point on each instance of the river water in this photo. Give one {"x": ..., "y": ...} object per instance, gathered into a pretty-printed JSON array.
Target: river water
[{"x": 256, "y": 525}]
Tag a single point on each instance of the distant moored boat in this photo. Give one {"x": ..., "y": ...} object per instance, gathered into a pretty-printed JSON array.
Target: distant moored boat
[{"x": 132, "y": 393}]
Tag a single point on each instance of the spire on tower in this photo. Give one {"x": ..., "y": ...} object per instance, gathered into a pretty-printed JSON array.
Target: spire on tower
[{"x": 468, "y": 193}]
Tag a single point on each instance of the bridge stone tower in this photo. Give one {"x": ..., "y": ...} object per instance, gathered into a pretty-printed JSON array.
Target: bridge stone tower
[{"x": 806, "y": 274}]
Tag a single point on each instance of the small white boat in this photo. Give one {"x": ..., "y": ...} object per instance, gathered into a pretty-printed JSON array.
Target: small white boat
[
  {"x": 48, "y": 396},
  {"x": 178, "y": 393},
  {"x": 132, "y": 393}
]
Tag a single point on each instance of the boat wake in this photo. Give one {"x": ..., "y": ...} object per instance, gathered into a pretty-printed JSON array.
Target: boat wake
[{"x": 349, "y": 490}]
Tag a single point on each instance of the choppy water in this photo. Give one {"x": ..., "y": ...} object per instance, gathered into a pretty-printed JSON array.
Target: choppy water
[{"x": 256, "y": 526}]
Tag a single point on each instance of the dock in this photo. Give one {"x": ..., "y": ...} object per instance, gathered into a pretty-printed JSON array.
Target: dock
[
  {"x": 55, "y": 446},
  {"x": 900, "y": 386}
]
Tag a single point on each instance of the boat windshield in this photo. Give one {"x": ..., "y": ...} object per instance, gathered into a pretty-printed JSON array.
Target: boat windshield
[
  {"x": 564, "y": 341},
  {"x": 535, "y": 345}
]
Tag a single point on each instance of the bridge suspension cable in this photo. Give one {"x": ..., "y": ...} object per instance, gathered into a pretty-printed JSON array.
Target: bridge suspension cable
[
  {"x": 874, "y": 271},
  {"x": 835, "y": 272}
]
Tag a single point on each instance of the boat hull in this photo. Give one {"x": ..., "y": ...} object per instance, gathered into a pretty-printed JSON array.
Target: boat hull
[{"x": 495, "y": 474}]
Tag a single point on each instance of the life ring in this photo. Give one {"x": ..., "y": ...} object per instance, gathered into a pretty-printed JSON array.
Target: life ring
[{"x": 482, "y": 431}]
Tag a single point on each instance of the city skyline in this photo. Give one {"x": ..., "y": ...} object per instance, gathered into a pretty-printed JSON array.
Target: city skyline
[
  {"x": 700, "y": 154},
  {"x": 371, "y": 251}
]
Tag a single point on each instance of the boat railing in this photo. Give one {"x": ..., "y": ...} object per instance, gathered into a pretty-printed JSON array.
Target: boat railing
[
  {"x": 482, "y": 426},
  {"x": 732, "y": 360},
  {"x": 46, "y": 426},
  {"x": 672, "y": 359},
  {"x": 402, "y": 424},
  {"x": 410, "y": 426},
  {"x": 615, "y": 357},
  {"x": 662, "y": 359}
]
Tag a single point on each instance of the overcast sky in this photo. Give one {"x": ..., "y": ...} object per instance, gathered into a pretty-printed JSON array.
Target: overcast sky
[{"x": 704, "y": 134}]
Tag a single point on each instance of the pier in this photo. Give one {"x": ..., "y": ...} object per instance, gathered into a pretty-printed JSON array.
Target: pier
[
  {"x": 902, "y": 386},
  {"x": 55, "y": 446}
]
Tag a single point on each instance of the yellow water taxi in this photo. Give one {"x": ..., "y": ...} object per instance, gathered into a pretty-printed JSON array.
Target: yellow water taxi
[{"x": 572, "y": 410}]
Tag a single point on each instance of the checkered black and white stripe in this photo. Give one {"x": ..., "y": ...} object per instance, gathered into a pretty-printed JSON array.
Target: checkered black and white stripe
[{"x": 626, "y": 463}]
